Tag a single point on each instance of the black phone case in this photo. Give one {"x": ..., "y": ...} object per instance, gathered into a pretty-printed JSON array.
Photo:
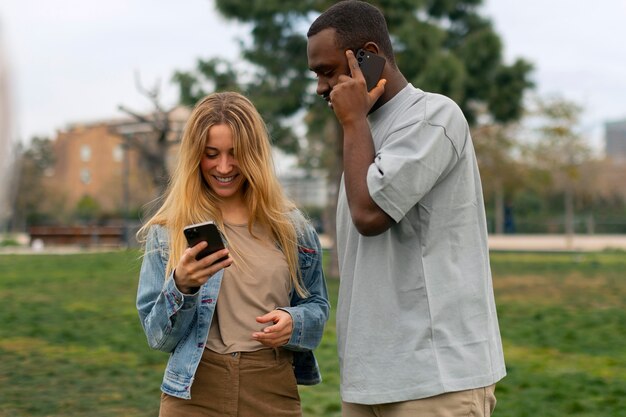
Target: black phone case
[
  {"x": 208, "y": 232},
  {"x": 371, "y": 66}
]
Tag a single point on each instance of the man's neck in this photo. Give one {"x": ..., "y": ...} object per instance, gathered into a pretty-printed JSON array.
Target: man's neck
[{"x": 395, "y": 83}]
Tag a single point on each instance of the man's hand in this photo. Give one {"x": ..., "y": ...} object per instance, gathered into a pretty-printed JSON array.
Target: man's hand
[
  {"x": 278, "y": 333},
  {"x": 350, "y": 99}
]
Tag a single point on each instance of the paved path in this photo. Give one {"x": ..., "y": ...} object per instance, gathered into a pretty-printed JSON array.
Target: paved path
[
  {"x": 545, "y": 242},
  {"x": 496, "y": 242},
  {"x": 557, "y": 242}
]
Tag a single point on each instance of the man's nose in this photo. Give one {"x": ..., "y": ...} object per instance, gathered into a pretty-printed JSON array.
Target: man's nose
[{"x": 323, "y": 88}]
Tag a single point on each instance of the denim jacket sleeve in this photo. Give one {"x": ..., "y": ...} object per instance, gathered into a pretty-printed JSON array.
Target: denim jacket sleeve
[
  {"x": 309, "y": 314},
  {"x": 165, "y": 313}
]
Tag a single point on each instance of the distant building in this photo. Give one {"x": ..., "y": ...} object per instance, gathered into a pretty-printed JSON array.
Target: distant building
[
  {"x": 92, "y": 161},
  {"x": 615, "y": 140},
  {"x": 306, "y": 191}
]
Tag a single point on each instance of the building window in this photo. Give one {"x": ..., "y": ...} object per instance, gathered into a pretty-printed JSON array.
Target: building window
[
  {"x": 118, "y": 153},
  {"x": 85, "y": 176},
  {"x": 85, "y": 153}
]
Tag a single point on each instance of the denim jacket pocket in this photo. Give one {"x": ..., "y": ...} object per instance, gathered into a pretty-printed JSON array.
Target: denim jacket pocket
[{"x": 306, "y": 258}]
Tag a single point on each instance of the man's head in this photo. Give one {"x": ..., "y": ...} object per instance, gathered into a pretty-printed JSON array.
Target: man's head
[
  {"x": 349, "y": 24},
  {"x": 356, "y": 23}
]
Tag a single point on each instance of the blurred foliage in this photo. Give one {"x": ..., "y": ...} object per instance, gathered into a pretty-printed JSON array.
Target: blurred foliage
[
  {"x": 87, "y": 209},
  {"x": 33, "y": 201},
  {"x": 441, "y": 46}
]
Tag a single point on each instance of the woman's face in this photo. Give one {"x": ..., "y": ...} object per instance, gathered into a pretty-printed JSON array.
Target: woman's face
[{"x": 219, "y": 166}]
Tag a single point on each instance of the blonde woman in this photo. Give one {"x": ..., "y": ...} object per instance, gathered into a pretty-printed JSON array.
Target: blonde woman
[{"x": 240, "y": 332}]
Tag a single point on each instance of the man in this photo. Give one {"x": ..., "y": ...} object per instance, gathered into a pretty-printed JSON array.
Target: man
[{"x": 417, "y": 327}]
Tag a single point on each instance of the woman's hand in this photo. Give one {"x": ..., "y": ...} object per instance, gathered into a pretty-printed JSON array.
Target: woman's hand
[
  {"x": 190, "y": 274},
  {"x": 278, "y": 333}
]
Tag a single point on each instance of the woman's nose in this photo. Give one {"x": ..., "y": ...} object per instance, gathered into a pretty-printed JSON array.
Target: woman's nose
[{"x": 224, "y": 164}]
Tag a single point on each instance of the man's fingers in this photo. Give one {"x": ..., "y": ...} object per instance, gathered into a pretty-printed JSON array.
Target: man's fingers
[
  {"x": 355, "y": 70},
  {"x": 378, "y": 91}
]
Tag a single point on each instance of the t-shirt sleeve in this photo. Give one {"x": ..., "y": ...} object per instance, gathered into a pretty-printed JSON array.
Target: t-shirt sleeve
[{"x": 408, "y": 165}]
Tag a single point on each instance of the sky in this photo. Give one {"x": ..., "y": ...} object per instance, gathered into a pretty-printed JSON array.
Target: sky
[{"x": 72, "y": 61}]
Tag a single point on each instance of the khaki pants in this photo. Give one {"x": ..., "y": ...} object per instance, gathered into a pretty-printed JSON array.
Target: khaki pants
[
  {"x": 242, "y": 384},
  {"x": 478, "y": 402}
]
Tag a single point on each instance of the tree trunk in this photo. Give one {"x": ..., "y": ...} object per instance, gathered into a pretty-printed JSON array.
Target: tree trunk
[
  {"x": 332, "y": 132},
  {"x": 569, "y": 217},
  {"x": 499, "y": 209},
  {"x": 569, "y": 211}
]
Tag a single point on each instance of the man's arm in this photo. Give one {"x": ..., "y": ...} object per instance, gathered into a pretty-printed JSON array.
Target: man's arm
[
  {"x": 351, "y": 104},
  {"x": 358, "y": 154}
]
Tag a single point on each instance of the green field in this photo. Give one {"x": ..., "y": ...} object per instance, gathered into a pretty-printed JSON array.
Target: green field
[{"x": 71, "y": 343}]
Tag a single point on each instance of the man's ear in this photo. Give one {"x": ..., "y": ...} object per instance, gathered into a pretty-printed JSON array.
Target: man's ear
[{"x": 372, "y": 47}]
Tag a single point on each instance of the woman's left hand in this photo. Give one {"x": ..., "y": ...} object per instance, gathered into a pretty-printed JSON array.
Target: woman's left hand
[{"x": 279, "y": 332}]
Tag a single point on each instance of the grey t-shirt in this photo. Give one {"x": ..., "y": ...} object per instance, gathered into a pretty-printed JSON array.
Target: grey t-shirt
[{"x": 416, "y": 314}]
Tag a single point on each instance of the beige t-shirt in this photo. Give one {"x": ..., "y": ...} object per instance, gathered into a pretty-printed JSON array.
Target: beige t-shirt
[{"x": 250, "y": 288}]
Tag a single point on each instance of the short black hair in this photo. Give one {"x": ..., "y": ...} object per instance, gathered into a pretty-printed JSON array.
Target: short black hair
[{"x": 356, "y": 23}]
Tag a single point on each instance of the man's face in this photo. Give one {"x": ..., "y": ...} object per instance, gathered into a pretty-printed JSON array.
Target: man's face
[{"x": 326, "y": 60}]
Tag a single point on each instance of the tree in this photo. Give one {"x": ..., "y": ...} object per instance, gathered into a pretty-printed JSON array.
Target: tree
[
  {"x": 32, "y": 200},
  {"x": 153, "y": 146},
  {"x": 561, "y": 151},
  {"x": 441, "y": 46},
  {"x": 501, "y": 173}
]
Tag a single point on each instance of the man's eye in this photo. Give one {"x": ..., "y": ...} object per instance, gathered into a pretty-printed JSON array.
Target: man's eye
[{"x": 325, "y": 74}]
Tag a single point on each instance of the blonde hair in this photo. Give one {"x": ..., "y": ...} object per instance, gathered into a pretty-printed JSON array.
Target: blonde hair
[{"x": 189, "y": 199}]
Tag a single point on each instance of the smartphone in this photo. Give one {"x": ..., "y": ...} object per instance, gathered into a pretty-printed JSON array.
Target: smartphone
[
  {"x": 371, "y": 65},
  {"x": 207, "y": 232}
]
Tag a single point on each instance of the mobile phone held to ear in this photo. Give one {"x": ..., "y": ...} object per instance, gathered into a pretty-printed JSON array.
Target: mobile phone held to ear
[
  {"x": 207, "y": 232},
  {"x": 371, "y": 66}
]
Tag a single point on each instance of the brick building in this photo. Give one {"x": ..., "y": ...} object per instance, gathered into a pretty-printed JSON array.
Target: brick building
[{"x": 92, "y": 161}]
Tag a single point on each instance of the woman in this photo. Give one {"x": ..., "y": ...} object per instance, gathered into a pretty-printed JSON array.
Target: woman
[{"x": 233, "y": 328}]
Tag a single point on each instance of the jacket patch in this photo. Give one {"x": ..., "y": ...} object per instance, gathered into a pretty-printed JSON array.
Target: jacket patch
[{"x": 304, "y": 249}]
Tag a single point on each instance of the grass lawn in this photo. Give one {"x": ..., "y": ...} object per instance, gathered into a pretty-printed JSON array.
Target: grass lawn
[{"x": 71, "y": 343}]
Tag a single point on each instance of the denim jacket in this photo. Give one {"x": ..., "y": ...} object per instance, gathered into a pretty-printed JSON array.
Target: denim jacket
[{"x": 179, "y": 323}]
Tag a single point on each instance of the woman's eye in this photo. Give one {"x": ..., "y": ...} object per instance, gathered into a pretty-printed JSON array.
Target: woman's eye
[{"x": 210, "y": 155}]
